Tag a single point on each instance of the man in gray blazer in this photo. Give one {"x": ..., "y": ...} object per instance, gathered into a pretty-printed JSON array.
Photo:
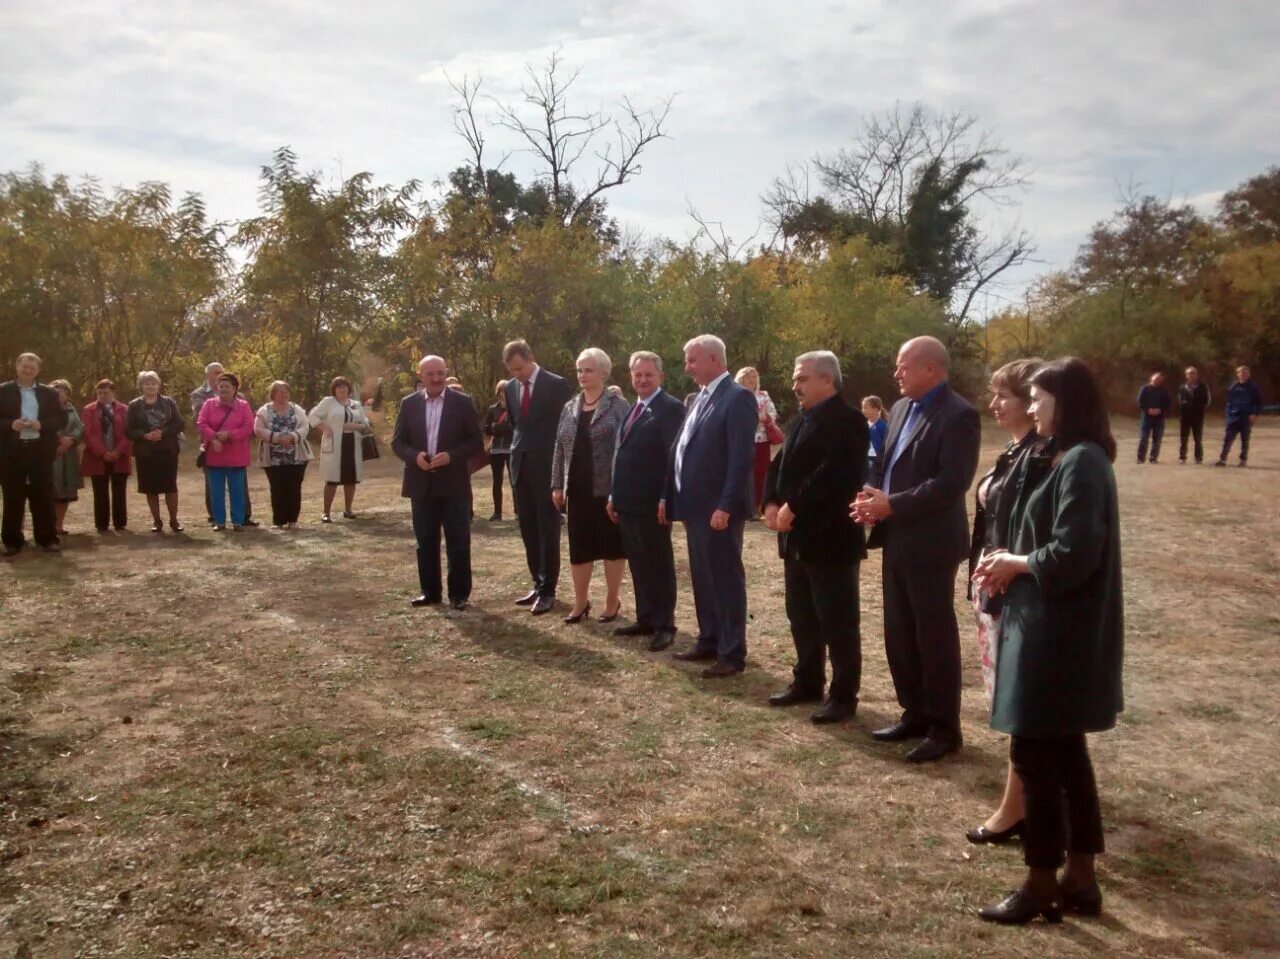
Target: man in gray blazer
[{"x": 916, "y": 512}]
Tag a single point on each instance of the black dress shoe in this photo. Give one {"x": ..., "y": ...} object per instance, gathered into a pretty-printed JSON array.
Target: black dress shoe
[
  {"x": 662, "y": 639},
  {"x": 931, "y": 749},
  {"x": 423, "y": 601},
  {"x": 833, "y": 711},
  {"x": 899, "y": 731},
  {"x": 250, "y": 522},
  {"x": 1020, "y": 907},
  {"x": 721, "y": 670},
  {"x": 792, "y": 696},
  {"x": 577, "y": 617},
  {"x": 544, "y": 604},
  {"x": 696, "y": 655},
  {"x": 982, "y": 836},
  {"x": 635, "y": 629},
  {"x": 460, "y": 605},
  {"x": 528, "y": 599},
  {"x": 1083, "y": 902}
]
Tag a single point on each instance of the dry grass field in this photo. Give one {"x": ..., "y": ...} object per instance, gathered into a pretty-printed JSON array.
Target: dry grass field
[{"x": 233, "y": 745}]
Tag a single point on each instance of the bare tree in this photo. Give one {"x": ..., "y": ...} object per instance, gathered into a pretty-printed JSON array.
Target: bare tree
[
  {"x": 561, "y": 138},
  {"x": 467, "y": 126}
]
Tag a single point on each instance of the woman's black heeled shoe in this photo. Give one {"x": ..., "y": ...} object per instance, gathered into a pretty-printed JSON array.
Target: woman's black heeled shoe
[
  {"x": 1020, "y": 907},
  {"x": 1083, "y": 902},
  {"x": 157, "y": 527},
  {"x": 579, "y": 617},
  {"x": 610, "y": 617},
  {"x": 982, "y": 836},
  {"x": 176, "y": 526}
]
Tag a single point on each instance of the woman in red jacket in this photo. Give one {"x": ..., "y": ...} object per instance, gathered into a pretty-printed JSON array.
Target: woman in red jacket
[{"x": 106, "y": 462}]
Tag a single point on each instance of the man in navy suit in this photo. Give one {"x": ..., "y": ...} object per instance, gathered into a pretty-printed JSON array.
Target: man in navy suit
[
  {"x": 709, "y": 490},
  {"x": 639, "y": 477},
  {"x": 535, "y": 398},
  {"x": 916, "y": 512},
  {"x": 437, "y": 433}
]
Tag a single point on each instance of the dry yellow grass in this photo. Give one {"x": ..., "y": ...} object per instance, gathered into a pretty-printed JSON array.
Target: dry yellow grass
[{"x": 248, "y": 745}]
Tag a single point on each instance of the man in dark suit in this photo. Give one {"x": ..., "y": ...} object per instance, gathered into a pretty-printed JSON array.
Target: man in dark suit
[
  {"x": 1193, "y": 400},
  {"x": 437, "y": 433},
  {"x": 535, "y": 398},
  {"x": 709, "y": 489},
  {"x": 639, "y": 476},
  {"x": 917, "y": 514},
  {"x": 30, "y": 416},
  {"x": 819, "y": 469}
]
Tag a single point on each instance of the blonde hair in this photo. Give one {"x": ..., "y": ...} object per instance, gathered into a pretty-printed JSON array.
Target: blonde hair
[
  {"x": 599, "y": 357},
  {"x": 146, "y": 375},
  {"x": 746, "y": 371}
]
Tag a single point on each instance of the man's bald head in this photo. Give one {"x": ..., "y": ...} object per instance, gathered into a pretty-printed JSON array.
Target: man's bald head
[
  {"x": 922, "y": 365},
  {"x": 433, "y": 371}
]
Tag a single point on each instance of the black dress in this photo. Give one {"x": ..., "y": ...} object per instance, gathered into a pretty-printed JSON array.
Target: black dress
[
  {"x": 347, "y": 475},
  {"x": 592, "y": 535}
]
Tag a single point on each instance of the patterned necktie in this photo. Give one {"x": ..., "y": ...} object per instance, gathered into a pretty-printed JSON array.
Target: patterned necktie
[{"x": 631, "y": 420}]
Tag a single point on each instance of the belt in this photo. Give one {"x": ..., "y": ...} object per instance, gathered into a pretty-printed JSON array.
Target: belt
[{"x": 28, "y": 442}]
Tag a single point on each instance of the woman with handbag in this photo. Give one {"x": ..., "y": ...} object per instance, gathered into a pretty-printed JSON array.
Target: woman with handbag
[
  {"x": 226, "y": 423},
  {"x": 281, "y": 427},
  {"x": 342, "y": 420},
  {"x": 768, "y": 433},
  {"x": 497, "y": 426},
  {"x": 153, "y": 424}
]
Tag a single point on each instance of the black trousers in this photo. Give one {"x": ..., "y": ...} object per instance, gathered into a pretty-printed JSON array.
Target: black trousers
[
  {"x": 26, "y": 477},
  {"x": 452, "y": 514},
  {"x": 922, "y": 642},
  {"x": 1242, "y": 429},
  {"x": 653, "y": 568},
  {"x": 1191, "y": 426},
  {"x": 498, "y": 465},
  {"x": 1060, "y": 796},
  {"x": 110, "y": 500},
  {"x": 540, "y": 524},
  {"x": 286, "y": 492},
  {"x": 825, "y": 613},
  {"x": 208, "y": 498}
]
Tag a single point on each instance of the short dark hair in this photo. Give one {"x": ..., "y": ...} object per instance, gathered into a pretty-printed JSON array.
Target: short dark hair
[
  {"x": 1016, "y": 376},
  {"x": 1079, "y": 413},
  {"x": 517, "y": 348},
  {"x": 339, "y": 381},
  {"x": 230, "y": 378},
  {"x": 104, "y": 385}
]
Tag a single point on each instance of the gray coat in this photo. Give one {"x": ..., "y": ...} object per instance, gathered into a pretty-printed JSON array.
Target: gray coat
[
  {"x": 605, "y": 423},
  {"x": 1061, "y": 653}
]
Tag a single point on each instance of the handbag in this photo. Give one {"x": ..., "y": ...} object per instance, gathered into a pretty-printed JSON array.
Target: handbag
[
  {"x": 200, "y": 457},
  {"x": 773, "y": 433},
  {"x": 369, "y": 447}
]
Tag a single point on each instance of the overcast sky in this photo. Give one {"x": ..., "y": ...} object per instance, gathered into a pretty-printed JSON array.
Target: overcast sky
[{"x": 1174, "y": 96}]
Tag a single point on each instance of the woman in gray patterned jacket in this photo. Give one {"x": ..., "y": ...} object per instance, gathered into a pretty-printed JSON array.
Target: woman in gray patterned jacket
[{"x": 582, "y": 476}]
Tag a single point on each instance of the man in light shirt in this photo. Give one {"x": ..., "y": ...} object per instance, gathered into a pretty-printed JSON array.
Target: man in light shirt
[{"x": 30, "y": 416}]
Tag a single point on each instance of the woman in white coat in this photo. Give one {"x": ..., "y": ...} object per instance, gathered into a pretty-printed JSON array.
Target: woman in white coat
[{"x": 341, "y": 418}]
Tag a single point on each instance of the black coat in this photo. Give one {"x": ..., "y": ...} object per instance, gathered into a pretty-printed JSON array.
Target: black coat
[
  {"x": 818, "y": 471},
  {"x": 641, "y": 459},
  {"x": 51, "y": 415},
  {"x": 136, "y": 424},
  {"x": 459, "y": 436},
  {"x": 533, "y": 437},
  {"x": 991, "y": 521},
  {"x": 929, "y": 524}
]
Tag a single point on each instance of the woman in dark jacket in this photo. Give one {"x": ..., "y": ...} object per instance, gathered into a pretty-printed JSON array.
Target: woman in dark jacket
[
  {"x": 497, "y": 426},
  {"x": 993, "y": 502},
  {"x": 153, "y": 424},
  {"x": 1059, "y": 668}
]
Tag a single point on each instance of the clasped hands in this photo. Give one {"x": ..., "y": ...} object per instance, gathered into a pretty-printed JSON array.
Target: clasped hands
[
  {"x": 19, "y": 425},
  {"x": 429, "y": 463},
  {"x": 870, "y": 506},
  {"x": 998, "y": 569},
  {"x": 780, "y": 519}
]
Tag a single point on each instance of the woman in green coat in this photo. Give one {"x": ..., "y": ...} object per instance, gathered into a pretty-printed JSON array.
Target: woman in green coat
[
  {"x": 1061, "y": 648},
  {"x": 67, "y": 481}
]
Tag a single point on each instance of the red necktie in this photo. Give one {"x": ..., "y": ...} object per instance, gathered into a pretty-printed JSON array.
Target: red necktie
[
  {"x": 526, "y": 400},
  {"x": 631, "y": 420}
]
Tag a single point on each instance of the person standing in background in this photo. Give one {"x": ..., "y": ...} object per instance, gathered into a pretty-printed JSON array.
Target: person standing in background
[
  {"x": 281, "y": 427},
  {"x": 226, "y": 425},
  {"x": 67, "y": 479},
  {"x": 497, "y": 426},
  {"x": 206, "y": 391},
  {"x": 31, "y": 415},
  {"x": 1193, "y": 399},
  {"x": 1154, "y": 404},
  {"x": 153, "y": 425},
  {"x": 1244, "y": 404},
  {"x": 106, "y": 462},
  {"x": 342, "y": 420},
  {"x": 878, "y": 424},
  {"x": 767, "y": 432}
]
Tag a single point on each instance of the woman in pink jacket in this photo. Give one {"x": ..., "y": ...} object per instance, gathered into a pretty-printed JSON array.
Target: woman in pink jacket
[
  {"x": 107, "y": 453},
  {"x": 226, "y": 425}
]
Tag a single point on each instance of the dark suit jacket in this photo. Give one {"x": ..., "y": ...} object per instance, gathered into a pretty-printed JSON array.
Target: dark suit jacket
[
  {"x": 51, "y": 415},
  {"x": 641, "y": 460},
  {"x": 533, "y": 438},
  {"x": 720, "y": 457},
  {"x": 459, "y": 436},
  {"x": 818, "y": 471},
  {"x": 936, "y": 467}
]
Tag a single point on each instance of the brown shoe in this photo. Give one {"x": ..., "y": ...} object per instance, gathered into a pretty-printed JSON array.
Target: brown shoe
[{"x": 721, "y": 670}]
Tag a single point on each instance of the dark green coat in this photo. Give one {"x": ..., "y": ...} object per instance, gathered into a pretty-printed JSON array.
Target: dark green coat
[{"x": 1061, "y": 650}]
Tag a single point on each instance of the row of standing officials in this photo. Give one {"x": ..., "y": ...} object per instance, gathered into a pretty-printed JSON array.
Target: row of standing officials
[{"x": 1044, "y": 552}]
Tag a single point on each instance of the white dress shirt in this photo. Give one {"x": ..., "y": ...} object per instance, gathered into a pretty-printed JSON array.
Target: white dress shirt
[
  {"x": 434, "y": 411},
  {"x": 690, "y": 421}
]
